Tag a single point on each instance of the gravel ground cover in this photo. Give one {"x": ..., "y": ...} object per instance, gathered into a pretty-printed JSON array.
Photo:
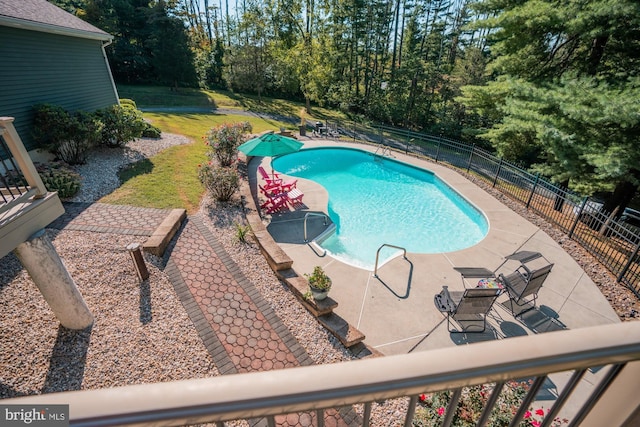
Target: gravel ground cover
[
  {"x": 142, "y": 333},
  {"x": 625, "y": 303}
]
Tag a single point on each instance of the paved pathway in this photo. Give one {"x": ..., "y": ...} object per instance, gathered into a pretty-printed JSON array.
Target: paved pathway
[{"x": 238, "y": 327}]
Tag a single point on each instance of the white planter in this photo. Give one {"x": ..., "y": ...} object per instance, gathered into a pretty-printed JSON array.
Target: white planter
[{"x": 319, "y": 294}]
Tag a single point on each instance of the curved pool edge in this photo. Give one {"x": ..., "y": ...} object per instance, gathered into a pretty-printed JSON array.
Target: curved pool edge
[
  {"x": 368, "y": 304},
  {"x": 451, "y": 193}
]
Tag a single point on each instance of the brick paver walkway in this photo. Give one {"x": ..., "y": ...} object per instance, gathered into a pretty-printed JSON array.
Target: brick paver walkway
[
  {"x": 116, "y": 219},
  {"x": 238, "y": 327}
]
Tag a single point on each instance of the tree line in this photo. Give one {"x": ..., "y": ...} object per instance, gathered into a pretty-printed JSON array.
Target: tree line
[{"x": 551, "y": 85}]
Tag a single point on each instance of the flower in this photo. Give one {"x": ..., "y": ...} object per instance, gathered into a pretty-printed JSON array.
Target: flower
[{"x": 472, "y": 401}]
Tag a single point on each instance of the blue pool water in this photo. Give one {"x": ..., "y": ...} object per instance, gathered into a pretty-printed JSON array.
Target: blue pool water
[{"x": 374, "y": 201}]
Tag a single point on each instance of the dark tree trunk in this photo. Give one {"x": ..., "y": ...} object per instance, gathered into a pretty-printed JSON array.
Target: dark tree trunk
[
  {"x": 597, "y": 51},
  {"x": 558, "y": 203},
  {"x": 621, "y": 197}
]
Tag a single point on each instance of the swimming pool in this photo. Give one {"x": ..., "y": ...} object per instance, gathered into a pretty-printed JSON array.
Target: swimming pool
[{"x": 375, "y": 201}]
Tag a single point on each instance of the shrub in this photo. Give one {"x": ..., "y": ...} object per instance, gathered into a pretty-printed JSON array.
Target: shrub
[
  {"x": 49, "y": 124},
  {"x": 57, "y": 177},
  {"x": 221, "y": 182},
  {"x": 121, "y": 124},
  {"x": 151, "y": 131},
  {"x": 126, "y": 102},
  {"x": 223, "y": 141},
  {"x": 68, "y": 136},
  {"x": 433, "y": 407}
]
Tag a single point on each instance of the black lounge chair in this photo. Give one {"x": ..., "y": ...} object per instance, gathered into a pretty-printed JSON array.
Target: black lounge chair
[
  {"x": 523, "y": 286},
  {"x": 469, "y": 308}
]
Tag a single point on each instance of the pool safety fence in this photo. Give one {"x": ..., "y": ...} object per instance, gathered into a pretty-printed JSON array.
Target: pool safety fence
[{"x": 608, "y": 237}]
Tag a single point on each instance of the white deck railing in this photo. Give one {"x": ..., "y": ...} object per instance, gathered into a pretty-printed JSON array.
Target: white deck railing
[
  {"x": 612, "y": 350},
  {"x": 25, "y": 204},
  {"x": 18, "y": 166}
]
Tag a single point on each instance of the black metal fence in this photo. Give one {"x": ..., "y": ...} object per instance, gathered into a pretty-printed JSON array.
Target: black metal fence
[{"x": 615, "y": 243}]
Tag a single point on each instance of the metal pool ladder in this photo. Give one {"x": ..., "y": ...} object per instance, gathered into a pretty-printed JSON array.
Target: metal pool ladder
[
  {"x": 386, "y": 151},
  {"x": 404, "y": 255},
  {"x": 307, "y": 215}
]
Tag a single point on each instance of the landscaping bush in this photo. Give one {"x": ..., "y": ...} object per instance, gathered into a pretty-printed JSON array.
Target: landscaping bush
[
  {"x": 151, "y": 131},
  {"x": 49, "y": 124},
  {"x": 432, "y": 407},
  {"x": 128, "y": 103},
  {"x": 68, "y": 136},
  {"x": 221, "y": 182},
  {"x": 57, "y": 177},
  {"x": 223, "y": 141},
  {"x": 121, "y": 124}
]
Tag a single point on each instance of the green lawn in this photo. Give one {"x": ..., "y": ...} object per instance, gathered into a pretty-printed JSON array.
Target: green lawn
[
  {"x": 159, "y": 96},
  {"x": 170, "y": 179}
]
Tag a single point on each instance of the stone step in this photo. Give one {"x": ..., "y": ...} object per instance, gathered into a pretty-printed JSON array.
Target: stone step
[
  {"x": 157, "y": 243},
  {"x": 300, "y": 287},
  {"x": 347, "y": 334},
  {"x": 363, "y": 351}
]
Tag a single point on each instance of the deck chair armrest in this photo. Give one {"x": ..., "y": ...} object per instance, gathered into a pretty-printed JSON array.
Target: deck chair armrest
[
  {"x": 526, "y": 269},
  {"x": 504, "y": 280}
]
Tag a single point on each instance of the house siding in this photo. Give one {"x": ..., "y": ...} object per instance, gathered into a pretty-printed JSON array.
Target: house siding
[{"x": 48, "y": 68}]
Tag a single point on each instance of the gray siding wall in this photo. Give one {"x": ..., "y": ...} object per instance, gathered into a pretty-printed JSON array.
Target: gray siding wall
[{"x": 39, "y": 68}]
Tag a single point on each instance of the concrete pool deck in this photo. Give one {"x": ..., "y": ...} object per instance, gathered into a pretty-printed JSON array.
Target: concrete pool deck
[{"x": 396, "y": 311}]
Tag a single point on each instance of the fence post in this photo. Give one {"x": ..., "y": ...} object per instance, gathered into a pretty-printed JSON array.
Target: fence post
[
  {"x": 626, "y": 267},
  {"x": 533, "y": 190},
  {"x": 628, "y": 264},
  {"x": 575, "y": 223},
  {"x": 380, "y": 132},
  {"x": 438, "y": 151},
  {"x": 473, "y": 147},
  {"x": 495, "y": 179}
]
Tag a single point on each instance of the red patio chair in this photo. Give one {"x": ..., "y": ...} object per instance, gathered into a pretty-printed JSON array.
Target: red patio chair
[
  {"x": 275, "y": 203},
  {"x": 275, "y": 180}
]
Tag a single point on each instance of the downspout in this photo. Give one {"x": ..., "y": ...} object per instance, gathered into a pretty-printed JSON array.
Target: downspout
[{"x": 106, "y": 63}]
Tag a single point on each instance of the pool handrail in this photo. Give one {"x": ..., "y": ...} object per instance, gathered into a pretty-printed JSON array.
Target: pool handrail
[
  {"x": 308, "y": 214},
  {"x": 375, "y": 270}
]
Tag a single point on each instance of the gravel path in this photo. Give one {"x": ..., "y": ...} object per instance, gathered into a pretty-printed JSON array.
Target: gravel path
[{"x": 142, "y": 333}]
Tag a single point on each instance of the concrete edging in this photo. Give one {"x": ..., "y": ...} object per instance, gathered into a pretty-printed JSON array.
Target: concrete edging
[{"x": 157, "y": 243}]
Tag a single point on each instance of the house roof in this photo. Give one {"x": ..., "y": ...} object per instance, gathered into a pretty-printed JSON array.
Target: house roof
[{"x": 40, "y": 15}]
